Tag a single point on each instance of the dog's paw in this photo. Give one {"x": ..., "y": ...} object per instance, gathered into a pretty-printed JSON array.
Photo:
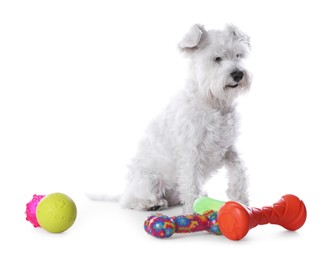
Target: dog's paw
[
  {"x": 187, "y": 208},
  {"x": 150, "y": 205},
  {"x": 244, "y": 201},
  {"x": 238, "y": 197},
  {"x": 154, "y": 208}
]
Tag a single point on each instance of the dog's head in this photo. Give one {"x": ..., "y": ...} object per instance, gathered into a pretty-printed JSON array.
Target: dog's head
[{"x": 218, "y": 61}]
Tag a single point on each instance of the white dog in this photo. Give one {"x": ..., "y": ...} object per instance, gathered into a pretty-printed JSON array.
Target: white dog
[{"x": 194, "y": 137}]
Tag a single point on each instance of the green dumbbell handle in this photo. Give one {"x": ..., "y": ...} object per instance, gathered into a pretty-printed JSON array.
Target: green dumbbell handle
[{"x": 203, "y": 204}]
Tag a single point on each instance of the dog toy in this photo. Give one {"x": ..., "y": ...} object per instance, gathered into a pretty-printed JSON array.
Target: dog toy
[
  {"x": 55, "y": 212},
  {"x": 204, "y": 203},
  {"x": 231, "y": 219},
  {"x": 162, "y": 226},
  {"x": 235, "y": 220},
  {"x": 31, "y": 208}
]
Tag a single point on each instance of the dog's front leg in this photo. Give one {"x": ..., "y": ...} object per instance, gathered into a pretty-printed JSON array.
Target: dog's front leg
[
  {"x": 189, "y": 183},
  {"x": 237, "y": 179}
]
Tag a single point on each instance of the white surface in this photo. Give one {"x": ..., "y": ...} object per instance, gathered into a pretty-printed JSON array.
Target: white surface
[{"x": 77, "y": 90}]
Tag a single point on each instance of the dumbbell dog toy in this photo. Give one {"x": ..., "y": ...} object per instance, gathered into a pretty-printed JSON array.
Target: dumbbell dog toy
[
  {"x": 162, "y": 226},
  {"x": 235, "y": 220},
  {"x": 232, "y": 219}
]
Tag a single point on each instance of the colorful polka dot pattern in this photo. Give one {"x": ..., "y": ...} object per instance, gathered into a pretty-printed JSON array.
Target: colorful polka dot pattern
[
  {"x": 162, "y": 226},
  {"x": 159, "y": 225}
]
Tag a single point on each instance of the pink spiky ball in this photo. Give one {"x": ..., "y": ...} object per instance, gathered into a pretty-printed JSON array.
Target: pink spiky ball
[{"x": 31, "y": 210}]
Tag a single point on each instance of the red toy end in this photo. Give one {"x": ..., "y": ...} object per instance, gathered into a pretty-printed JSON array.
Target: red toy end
[
  {"x": 233, "y": 220},
  {"x": 294, "y": 215}
]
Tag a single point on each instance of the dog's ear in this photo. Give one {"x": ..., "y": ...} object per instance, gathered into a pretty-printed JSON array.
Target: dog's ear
[
  {"x": 192, "y": 39},
  {"x": 237, "y": 33}
]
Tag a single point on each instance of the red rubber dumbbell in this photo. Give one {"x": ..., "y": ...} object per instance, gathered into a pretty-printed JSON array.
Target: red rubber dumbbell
[{"x": 235, "y": 220}]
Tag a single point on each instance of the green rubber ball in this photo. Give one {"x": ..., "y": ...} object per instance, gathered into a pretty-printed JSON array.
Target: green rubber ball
[{"x": 56, "y": 212}]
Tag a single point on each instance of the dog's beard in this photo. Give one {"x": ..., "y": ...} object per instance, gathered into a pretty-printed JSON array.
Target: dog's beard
[
  {"x": 222, "y": 89},
  {"x": 231, "y": 93},
  {"x": 211, "y": 85}
]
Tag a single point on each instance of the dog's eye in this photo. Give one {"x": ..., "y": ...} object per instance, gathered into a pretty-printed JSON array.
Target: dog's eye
[
  {"x": 218, "y": 59},
  {"x": 238, "y": 56}
]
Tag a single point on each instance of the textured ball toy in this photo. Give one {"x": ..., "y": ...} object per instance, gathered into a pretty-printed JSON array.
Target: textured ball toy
[
  {"x": 55, "y": 212},
  {"x": 31, "y": 208},
  {"x": 162, "y": 226}
]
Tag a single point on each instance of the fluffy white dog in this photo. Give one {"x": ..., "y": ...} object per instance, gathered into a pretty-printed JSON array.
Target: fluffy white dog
[{"x": 194, "y": 137}]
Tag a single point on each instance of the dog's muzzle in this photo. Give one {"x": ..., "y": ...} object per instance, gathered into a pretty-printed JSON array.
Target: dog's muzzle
[{"x": 237, "y": 76}]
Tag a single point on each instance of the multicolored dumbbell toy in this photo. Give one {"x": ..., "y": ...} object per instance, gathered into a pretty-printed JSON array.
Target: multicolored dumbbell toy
[{"x": 162, "y": 226}]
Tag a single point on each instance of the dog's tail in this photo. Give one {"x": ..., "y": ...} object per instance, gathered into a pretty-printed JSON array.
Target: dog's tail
[{"x": 103, "y": 197}]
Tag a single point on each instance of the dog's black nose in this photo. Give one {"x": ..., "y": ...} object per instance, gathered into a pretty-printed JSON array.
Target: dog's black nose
[{"x": 237, "y": 75}]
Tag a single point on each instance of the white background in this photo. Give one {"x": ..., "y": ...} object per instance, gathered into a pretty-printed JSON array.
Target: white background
[{"x": 79, "y": 82}]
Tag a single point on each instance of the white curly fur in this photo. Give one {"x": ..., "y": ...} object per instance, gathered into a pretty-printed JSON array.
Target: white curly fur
[{"x": 195, "y": 135}]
